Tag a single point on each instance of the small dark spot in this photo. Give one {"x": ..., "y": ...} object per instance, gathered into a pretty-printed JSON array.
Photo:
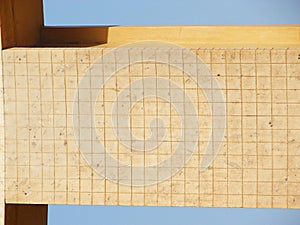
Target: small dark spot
[
  {"x": 294, "y": 200},
  {"x": 187, "y": 81},
  {"x": 34, "y": 136},
  {"x": 286, "y": 179},
  {"x": 293, "y": 140},
  {"x": 30, "y": 129},
  {"x": 25, "y": 193},
  {"x": 299, "y": 56},
  {"x": 65, "y": 142},
  {"x": 60, "y": 134},
  {"x": 218, "y": 75},
  {"x": 98, "y": 164}
]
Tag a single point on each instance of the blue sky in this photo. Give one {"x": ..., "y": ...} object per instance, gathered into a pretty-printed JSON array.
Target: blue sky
[
  {"x": 107, "y": 215},
  {"x": 170, "y": 12},
  {"x": 137, "y": 12}
]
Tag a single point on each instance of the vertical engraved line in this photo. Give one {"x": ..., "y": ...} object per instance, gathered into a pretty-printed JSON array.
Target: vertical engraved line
[
  {"x": 256, "y": 126},
  {"x": 242, "y": 140},
  {"x": 287, "y": 126},
  {"x": 118, "y": 152},
  {"x": 53, "y": 124},
  {"x": 170, "y": 113},
  {"x": 79, "y": 125},
  {"x": 66, "y": 135},
  {"x": 130, "y": 130},
  {"x": 184, "y": 156},
  {"x": 226, "y": 87},
  {"x": 213, "y": 163},
  {"x": 29, "y": 122},
  {"x": 104, "y": 127},
  {"x": 41, "y": 116},
  {"x": 91, "y": 136},
  {"x": 157, "y": 113},
  {"x": 198, "y": 145},
  {"x": 271, "y": 122},
  {"x": 42, "y": 161},
  {"x": 16, "y": 106},
  {"x": 144, "y": 114},
  {"x": 198, "y": 127}
]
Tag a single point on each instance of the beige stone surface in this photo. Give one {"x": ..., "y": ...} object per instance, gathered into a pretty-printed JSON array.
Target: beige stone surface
[{"x": 258, "y": 164}]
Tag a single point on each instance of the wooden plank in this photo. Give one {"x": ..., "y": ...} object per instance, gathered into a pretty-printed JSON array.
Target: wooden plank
[
  {"x": 73, "y": 35},
  {"x": 22, "y": 214},
  {"x": 210, "y": 36},
  {"x": 21, "y": 21}
]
